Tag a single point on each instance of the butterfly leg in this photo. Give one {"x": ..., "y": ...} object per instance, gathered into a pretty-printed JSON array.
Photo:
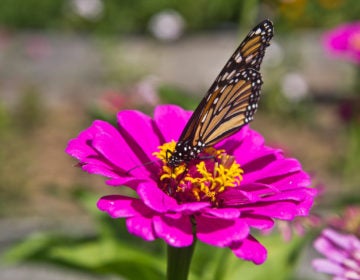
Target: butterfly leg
[{"x": 168, "y": 155}]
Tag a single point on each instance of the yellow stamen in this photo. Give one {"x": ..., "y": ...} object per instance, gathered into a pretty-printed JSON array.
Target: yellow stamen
[
  {"x": 164, "y": 149},
  {"x": 202, "y": 180}
]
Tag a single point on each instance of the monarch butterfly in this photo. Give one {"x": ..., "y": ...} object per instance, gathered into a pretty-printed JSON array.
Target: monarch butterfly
[{"x": 231, "y": 101}]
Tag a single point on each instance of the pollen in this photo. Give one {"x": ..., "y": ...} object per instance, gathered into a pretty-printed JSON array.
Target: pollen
[{"x": 201, "y": 179}]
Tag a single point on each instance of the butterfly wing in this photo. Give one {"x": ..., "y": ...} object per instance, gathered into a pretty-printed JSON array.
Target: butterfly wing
[{"x": 233, "y": 98}]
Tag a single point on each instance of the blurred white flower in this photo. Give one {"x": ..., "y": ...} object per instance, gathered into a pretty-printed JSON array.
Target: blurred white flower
[
  {"x": 167, "y": 25},
  {"x": 89, "y": 9},
  {"x": 294, "y": 87}
]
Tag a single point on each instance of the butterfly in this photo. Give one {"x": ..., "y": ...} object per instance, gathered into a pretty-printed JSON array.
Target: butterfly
[{"x": 231, "y": 101}]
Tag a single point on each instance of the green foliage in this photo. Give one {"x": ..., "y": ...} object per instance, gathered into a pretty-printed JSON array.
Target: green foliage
[
  {"x": 275, "y": 103},
  {"x": 221, "y": 264},
  {"x": 173, "y": 95},
  {"x": 351, "y": 160},
  {"x": 113, "y": 251},
  {"x": 118, "y": 16},
  {"x": 96, "y": 113},
  {"x": 128, "y": 16},
  {"x": 5, "y": 121},
  {"x": 92, "y": 255},
  {"x": 30, "y": 13}
]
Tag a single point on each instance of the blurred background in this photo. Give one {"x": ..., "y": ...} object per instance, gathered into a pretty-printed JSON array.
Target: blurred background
[{"x": 64, "y": 63}]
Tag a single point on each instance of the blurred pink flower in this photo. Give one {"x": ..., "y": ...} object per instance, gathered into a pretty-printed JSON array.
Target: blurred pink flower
[
  {"x": 342, "y": 255},
  {"x": 344, "y": 41},
  {"x": 238, "y": 185},
  {"x": 349, "y": 221},
  {"x": 112, "y": 101}
]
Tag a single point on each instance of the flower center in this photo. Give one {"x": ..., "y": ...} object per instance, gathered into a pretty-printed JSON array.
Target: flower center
[{"x": 201, "y": 179}]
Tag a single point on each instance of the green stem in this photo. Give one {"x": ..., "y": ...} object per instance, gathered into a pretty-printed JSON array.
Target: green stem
[{"x": 178, "y": 262}]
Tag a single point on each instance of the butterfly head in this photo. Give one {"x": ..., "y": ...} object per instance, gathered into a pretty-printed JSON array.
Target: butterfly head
[{"x": 173, "y": 159}]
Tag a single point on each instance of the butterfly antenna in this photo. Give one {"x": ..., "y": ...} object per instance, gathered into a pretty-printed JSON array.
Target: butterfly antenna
[{"x": 141, "y": 165}]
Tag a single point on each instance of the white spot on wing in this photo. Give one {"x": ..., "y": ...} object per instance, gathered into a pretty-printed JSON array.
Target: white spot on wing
[
  {"x": 224, "y": 76},
  {"x": 204, "y": 118},
  {"x": 231, "y": 74}
]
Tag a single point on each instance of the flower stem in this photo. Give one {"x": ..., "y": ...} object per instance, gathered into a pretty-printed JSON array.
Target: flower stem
[{"x": 178, "y": 262}]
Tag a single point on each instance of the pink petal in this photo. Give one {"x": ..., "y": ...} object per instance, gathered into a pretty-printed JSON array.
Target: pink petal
[
  {"x": 248, "y": 145},
  {"x": 345, "y": 241},
  {"x": 233, "y": 142},
  {"x": 245, "y": 194},
  {"x": 299, "y": 194},
  {"x": 223, "y": 213},
  {"x": 290, "y": 180},
  {"x": 250, "y": 249},
  {"x": 141, "y": 226},
  {"x": 276, "y": 168},
  {"x": 80, "y": 147},
  {"x": 101, "y": 150},
  {"x": 305, "y": 205},
  {"x": 339, "y": 249},
  {"x": 175, "y": 229},
  {"x": 258, "y": 222},
  {"x": 139, "y": 132},
  {"x": 118, "y": 206},
  {"x": 125, "y": 181},
  {"x": 284, "y": 210},
  {"x": 327, "y": 248},
  {"x": 91, "y": 160},
  {"x": 171, "y": 120},
  {"x": 220, "y": 232},
  {"x": 327, "y": 266},
  {"x": 191, "y": 207},
  {"x": 155, "y": 198}
]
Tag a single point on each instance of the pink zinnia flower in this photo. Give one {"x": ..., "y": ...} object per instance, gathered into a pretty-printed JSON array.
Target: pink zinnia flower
[
  {"x": 342, "y": 252},
  {"x": 238, "y": 185},
  {"x": 344, "y": 41}
]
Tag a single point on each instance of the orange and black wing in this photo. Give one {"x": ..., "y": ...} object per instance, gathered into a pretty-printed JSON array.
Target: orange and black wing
[{"x": 233, "y": 98}]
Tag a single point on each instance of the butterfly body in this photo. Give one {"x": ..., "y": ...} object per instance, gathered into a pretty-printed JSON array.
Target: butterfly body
[
  {"x": 231, "y": 101},
  {"x": 184, "y": 152}
]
